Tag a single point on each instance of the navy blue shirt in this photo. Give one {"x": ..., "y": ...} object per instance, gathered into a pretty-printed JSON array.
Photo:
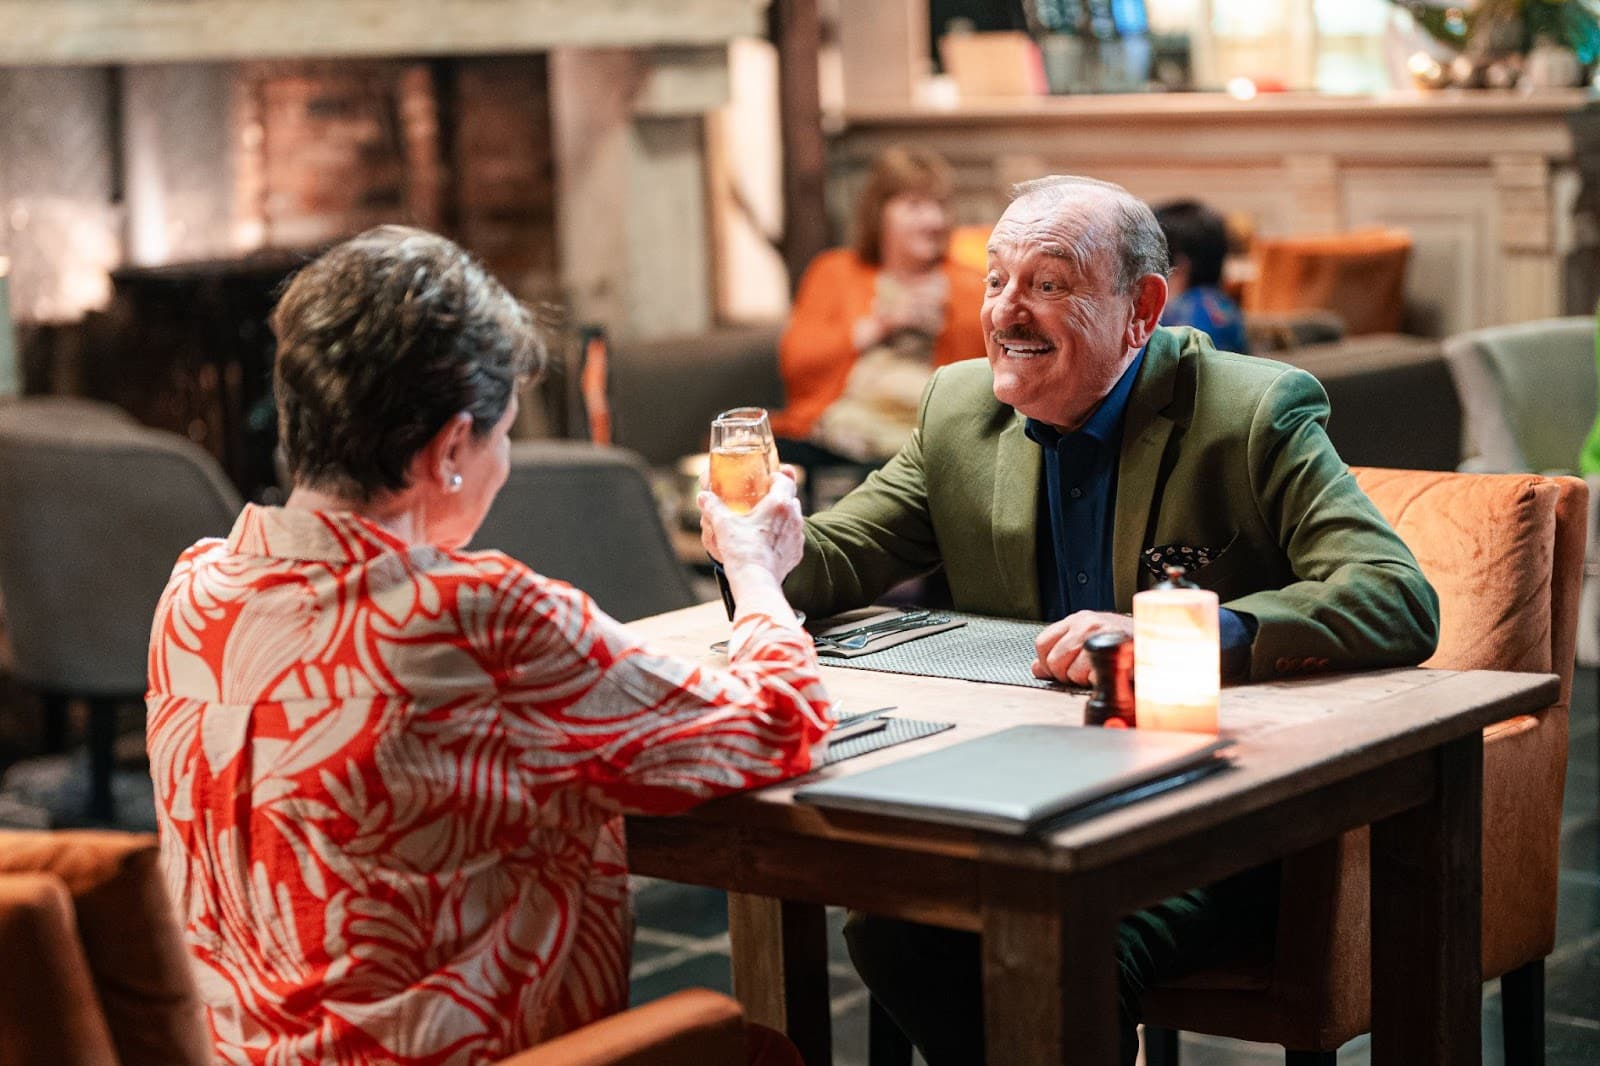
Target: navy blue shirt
[
  {"x": 1078, "y": 503},
  {"x": 1076, "y": 512}
]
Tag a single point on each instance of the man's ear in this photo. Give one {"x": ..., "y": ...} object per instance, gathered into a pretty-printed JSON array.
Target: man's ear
[
  {"x": 1149, "y": 300},
  {"x": 441, "y": 458}
]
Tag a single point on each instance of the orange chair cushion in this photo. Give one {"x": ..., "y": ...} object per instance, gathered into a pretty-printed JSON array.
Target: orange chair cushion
[
  {"x": 130, "y": 937},
  {"x": 48, "y": 1009},
  {"x": 695, "y": 1027},
  {"x": 1486, "y": 544},
  {"x": 1490, "y": 544}
]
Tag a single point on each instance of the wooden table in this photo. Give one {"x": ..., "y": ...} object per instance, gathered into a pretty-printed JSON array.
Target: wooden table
[{"x": 1400, "y": 750}]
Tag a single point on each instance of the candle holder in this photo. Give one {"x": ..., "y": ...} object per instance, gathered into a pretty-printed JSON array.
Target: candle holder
[{"x": 1177, "y": 656}]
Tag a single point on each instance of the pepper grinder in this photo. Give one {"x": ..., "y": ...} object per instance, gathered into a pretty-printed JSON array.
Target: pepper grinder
[{"x": 1111, "y": 663}]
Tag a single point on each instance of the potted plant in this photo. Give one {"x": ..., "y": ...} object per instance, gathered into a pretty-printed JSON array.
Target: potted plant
[{"x": 1545, "y": 43}]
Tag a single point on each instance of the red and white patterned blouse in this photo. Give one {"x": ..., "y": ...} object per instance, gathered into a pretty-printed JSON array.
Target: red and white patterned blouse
[{"x": 389, "y": 782}]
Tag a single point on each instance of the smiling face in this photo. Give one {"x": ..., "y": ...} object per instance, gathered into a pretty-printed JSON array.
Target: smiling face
[{"x": 1059, "y": 330}]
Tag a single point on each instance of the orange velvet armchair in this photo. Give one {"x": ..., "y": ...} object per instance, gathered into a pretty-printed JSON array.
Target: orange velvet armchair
[
  {"x": 1505, "y": 553},
  {"x": 95, "y": 973}
]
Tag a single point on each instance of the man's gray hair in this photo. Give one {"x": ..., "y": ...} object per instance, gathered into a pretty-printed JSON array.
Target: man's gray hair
[{"x": 1143, "y": 246}]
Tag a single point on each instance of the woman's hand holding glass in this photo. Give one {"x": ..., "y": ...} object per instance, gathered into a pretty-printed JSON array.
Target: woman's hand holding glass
[
  {"x": 767, "y": 538},
  {"x": 749, "y": 520}
]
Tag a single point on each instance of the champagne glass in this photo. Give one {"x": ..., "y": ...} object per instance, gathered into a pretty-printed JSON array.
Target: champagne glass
[{"x": 744, "y": 457}]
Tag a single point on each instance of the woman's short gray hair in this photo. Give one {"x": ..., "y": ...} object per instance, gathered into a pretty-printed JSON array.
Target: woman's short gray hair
[
  {"x": 1143, "y": 247},
  {"x": 383, "y": 339}
]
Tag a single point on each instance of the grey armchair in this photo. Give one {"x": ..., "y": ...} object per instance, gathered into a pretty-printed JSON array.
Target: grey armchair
[
  {"x": 665, "y": 392},
  {"x": 585, "y": 514},
  {"x": 1528, "y": 393},
  {"x": 94, "y": 510}
]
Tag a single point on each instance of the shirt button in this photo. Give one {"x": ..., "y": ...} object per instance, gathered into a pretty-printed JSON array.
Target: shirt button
[
  {"x": 1075, "y": 493},
  {"x": 1083, "y": 578}
]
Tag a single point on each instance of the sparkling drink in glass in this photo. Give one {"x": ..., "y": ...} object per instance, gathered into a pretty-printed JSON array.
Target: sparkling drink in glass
[{"x": 744, "y": 457}]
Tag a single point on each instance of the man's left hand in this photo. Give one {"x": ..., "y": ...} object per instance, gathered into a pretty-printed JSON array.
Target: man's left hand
[{"x": 1060, "y": 647}]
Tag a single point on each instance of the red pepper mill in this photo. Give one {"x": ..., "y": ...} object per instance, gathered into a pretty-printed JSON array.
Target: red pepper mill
[{"x": 1111, "y": 663}]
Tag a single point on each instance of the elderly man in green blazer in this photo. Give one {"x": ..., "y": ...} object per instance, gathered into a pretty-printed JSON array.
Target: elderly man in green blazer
[
  {"x": 1053, "y": 480},
  {"x": 1224, "y": 462}
]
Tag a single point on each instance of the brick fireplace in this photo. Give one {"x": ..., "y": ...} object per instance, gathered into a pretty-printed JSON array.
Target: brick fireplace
[
  {"x": 161, "y": 163},
  {"x": 224, "y": 160}
]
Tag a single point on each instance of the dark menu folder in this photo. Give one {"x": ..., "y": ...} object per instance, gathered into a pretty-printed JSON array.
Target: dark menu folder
[{"x": 1019, "y": 779}]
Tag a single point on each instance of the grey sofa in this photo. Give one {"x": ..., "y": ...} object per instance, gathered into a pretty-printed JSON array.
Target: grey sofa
[
  {"x": 1392, "y": 398},
  {"x": 1394, "y": 403}
]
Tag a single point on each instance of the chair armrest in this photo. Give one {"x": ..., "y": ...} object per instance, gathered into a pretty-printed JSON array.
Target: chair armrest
[
  {"x": 695, "y": 1027},
  {"x": 48, "y": 1008},
  {"x": 1284, "y": 331}
]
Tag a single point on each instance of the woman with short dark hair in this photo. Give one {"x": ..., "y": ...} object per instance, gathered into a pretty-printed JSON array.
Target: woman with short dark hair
[
  {"x": 380, "y": 342},
  {"x": 389, "y": 772}
]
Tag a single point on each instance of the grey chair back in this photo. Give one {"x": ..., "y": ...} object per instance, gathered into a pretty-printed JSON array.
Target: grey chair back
[
  {"x": 585, "y": 514},
  {"x": 94, "y": 511},
  {"x": 1528, "y": 392},
  {"x": 1391, "y": 397},
  {"x": 665, "y": 392}
]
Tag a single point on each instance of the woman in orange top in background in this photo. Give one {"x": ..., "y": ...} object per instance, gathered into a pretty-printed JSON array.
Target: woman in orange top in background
[{"x": 872, "y": 321}]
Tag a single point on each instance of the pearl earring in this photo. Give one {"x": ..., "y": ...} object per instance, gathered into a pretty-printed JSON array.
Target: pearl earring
[{"x": 455, "y": 482}]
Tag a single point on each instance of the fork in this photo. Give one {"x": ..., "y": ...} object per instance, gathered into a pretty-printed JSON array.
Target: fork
[
  {"x": 882, "y": 621},
  {"x": 899, "y": 625}
]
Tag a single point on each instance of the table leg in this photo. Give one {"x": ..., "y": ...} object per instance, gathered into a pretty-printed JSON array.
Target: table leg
[
  {"x": 780, "y": 969},
  {"x": 1427, "y": 898},
  {"x": 1049, "y": 971}
]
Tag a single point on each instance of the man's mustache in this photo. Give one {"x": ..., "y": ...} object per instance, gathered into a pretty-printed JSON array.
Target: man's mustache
[{"x": 1016, "y": 336}]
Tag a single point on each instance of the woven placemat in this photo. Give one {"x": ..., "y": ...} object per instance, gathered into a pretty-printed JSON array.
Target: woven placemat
[
  {"x": 897, "y": 731},
  {"x": 996, "y": 650}
]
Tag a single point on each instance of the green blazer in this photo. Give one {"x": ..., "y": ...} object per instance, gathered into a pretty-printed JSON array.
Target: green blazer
[{"x": 1220, "y": 452}]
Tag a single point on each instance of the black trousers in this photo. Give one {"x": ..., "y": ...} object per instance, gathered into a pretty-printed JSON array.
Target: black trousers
[{"x": 929, "y": 979}]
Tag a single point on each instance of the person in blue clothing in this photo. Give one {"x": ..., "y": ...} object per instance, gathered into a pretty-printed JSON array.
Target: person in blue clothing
[{"x": 1198, "y": 241}]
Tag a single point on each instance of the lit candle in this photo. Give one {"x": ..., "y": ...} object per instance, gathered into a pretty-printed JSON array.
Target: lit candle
[{"x": 1177, "y": 656}]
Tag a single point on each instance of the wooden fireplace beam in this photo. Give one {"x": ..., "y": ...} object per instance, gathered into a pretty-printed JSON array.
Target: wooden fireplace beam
[
  {"x": 74, "y": 32},
  {"x": 796, "y": 33}
]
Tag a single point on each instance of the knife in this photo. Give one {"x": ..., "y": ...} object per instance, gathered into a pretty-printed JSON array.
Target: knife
[
  {"x": 876, "y": 624},
  {"x": 865, "y": 637}
]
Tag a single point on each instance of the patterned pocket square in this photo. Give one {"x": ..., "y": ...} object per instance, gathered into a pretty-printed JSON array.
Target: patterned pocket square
[{"x": 1157, "y": 559}]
